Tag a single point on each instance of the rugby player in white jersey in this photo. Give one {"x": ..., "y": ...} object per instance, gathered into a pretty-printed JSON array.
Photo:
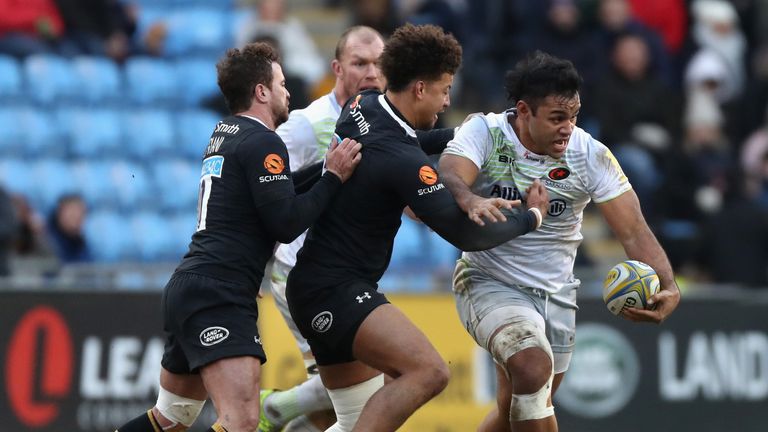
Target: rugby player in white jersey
[{"x": 518, "y": 300}]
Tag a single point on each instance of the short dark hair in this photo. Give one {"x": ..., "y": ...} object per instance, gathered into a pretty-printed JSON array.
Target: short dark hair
[
  {"x": 419, "y": 52},
  {"x": 241, "y": 70},
  {"x": 541, "y": 75},
  {"x": 341, "y": 45}
]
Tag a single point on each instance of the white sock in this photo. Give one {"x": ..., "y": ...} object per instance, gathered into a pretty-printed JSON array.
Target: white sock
[{"x": 283, "y": 406}]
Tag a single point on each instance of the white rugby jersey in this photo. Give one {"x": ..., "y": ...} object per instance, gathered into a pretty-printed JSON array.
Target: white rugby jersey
[
  {"x": 587, "y": 171},
  {"x": 307, "y": 134}
]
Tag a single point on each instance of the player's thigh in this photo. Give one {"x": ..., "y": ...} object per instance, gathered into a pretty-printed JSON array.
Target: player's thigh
[
  {"x": 388, "y": 341},
  {"x": 233, "y": 384}
]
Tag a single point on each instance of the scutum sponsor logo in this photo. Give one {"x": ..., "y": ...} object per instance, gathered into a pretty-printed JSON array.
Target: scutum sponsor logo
[
  {"x": 213, "y": 335},
  {"x": 271, "y": 178},
  {"x": 429, "y": 190}
]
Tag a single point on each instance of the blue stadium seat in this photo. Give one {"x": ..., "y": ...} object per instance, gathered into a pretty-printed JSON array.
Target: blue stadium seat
[
  {"x": 16, "y": 176},
  {"x": 51, "y": 79},
  {"x": 52, "y": 179},
  {"x": 10, "y": 79},
  {"x": 197, "y": 31},
  {"x": 92, "y": 132},
  {"x": 109, "y": 236},
  {"x": 131, "y": 185},
  {"x": 182, "y": 225},
  {"x": 98, "y": 80},
  {"x": 10, "y": 133},
  {"x": 41, "y": 133},
  {"x": 442, "y": 255},
  {"x": 177, "y": 183},
  {"x": 90, "y": 177},
  {"x": 151, "y": 81},
  {"x": 149, "y": 133},
  {"x": 409, "y": 252},
  {"x": 194, "y": 132},
  {"x": 198, "y": 76},
  {"x": 154, "y": 239}
]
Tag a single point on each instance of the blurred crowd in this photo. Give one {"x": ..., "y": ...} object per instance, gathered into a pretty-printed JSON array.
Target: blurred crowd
[{"x": 678, "y": 89}]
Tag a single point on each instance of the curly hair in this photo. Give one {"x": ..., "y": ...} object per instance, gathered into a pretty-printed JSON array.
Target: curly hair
[
  {"x": 541, "y": 75},
  {"x": 419, "y": 52},
  {"x": 241, "y": 70}
]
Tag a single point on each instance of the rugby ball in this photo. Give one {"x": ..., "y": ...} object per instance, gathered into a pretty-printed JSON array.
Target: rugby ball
[{"x": 629, "y": 284}]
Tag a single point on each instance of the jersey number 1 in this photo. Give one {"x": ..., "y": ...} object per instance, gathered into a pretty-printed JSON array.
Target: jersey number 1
[{"x": 212, "y": 167}]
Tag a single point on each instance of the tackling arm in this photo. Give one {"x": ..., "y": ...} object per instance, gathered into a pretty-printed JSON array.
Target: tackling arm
[{"x": 625, "y": 218}]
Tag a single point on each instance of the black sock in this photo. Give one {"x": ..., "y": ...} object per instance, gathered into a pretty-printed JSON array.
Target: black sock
[
  {"x": 216, "y": 428},
  {"x": 143, "y": 423}
]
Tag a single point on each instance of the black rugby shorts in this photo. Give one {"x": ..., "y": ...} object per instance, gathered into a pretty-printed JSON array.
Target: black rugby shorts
[
  {"x": 207, "y": 319},
  {"x": 329, "y": 317}
]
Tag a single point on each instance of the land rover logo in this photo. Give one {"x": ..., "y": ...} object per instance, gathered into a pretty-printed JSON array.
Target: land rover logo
[
  {"x": 213, "y": 335},
  {"x": 603, "y": 375},
  {"x": 322, "y": 321}
]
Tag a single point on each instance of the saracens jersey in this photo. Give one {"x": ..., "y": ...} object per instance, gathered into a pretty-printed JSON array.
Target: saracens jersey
[
  {"x": 587, "y": 171},
  {"x": 353, "y": 239},
  {"x": 244, "y": 172}
]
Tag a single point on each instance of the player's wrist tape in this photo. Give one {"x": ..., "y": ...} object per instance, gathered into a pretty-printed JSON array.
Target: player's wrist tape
[{"x": 536, "y": 212}]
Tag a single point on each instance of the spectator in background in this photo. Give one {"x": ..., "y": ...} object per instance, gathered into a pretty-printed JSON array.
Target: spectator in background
[
  {"x": 66, "y": 230},
  {"x": 300, "y": 55},
  {"x": 31, "y": 231},
  {"x": 381, "y": 15},
  {"x": 7, "y": 230},
  {"x": 666, "y": 17},
  {"x": 29, "y": 27},
  {"x": 754, "y": 163},
  {"x": 614, "y": 19},
  {"x": 633, "y": 108},
  {"x": 715, "y": 28},
  {"x": 98, "y": 27},
  {"x": 738, "y": 254}
]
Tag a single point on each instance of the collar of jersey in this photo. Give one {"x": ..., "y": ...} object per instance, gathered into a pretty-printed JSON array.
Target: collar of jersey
[
  {"x": 255, "y": 118},
  {"x": 392, "y": 111}
]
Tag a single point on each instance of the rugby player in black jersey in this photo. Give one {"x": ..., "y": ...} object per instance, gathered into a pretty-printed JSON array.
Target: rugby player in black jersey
[
  {"x": 246, "y": 204},
  {"x": 354, "y": 333}
]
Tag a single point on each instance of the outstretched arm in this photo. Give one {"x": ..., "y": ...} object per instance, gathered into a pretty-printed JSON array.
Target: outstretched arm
[
  {"x": 286, "y": 218},
  {"x": 625, "y": 218}
]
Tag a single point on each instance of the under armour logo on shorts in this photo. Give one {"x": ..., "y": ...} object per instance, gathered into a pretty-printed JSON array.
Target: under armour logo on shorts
[{"x": 363, "y": 297}]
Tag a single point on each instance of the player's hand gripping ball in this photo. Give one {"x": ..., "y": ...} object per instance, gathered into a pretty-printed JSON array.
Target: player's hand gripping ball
[{"x": 629, "y": 284}]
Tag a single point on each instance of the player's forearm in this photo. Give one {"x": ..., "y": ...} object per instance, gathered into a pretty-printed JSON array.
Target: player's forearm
[
  {"x": 458, "y": 188},
  {"x": 453, "y": 225},
  {"x": 643, "y": 246},
  {"x": 286, "y": 219}
]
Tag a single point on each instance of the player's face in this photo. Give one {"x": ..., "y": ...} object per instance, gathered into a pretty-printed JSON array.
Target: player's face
[
  {"x": 551, "y": 127},
  {"x": 280, "y": 96},
  {"x": 358, "y": 68},
  {"x": 437, "y": 97}
]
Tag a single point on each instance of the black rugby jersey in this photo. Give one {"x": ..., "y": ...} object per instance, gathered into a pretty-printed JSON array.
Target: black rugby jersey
[
  {"x": 353, "y": 238},
  {"x": 247, "y": 202}
]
